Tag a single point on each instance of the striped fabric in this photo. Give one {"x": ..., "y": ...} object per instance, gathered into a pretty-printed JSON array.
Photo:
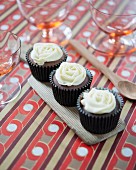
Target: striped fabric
[{"x": 33, "y": 136}]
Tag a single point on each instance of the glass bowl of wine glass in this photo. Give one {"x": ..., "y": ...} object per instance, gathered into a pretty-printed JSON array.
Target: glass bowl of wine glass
[
  {"x": 116, "y": 23},
  {"x": 10, "y": 47},
  {"x": 48, "y": 16}
]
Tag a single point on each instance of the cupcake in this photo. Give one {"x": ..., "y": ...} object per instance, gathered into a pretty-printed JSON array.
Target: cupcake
[
  {"x": 42, "y": 58},
  {"x": 99, "y": 110},
  {"x": 68, "y": 81}
]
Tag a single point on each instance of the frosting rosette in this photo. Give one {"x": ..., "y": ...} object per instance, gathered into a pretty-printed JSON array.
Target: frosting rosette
[
  {"x": 98, "y": 101},
  {"x": 46, "y": 52},
  {"x": 70, "y": 74}
]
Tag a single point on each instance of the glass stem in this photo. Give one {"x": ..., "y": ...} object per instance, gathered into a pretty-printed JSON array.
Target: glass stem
[{"x": 47, "y": 33}]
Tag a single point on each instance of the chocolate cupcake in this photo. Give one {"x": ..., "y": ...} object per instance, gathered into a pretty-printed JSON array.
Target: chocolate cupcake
[
  {"x": 68, "y": 81},
  {"x": 43, "y": 58},
  {"x": 99, "y": 110}
]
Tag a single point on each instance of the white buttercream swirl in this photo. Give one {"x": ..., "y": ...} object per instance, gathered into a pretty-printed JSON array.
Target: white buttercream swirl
[
  {"x": 46, "y": 52},
  {"x": 98, "y": 101},
  {"x": 70, "y": 74}
]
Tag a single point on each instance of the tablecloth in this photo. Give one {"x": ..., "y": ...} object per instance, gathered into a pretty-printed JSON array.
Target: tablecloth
[{"x": 33, "y": 136}]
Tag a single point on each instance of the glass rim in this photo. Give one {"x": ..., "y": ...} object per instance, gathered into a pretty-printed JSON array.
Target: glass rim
[
  {"x": 18, "y": 41},
  {"x": 35, "y": 5},
  {"x": 109, "y": 14}
]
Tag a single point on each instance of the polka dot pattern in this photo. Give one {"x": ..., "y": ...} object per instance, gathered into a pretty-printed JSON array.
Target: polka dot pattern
[
  {"x": 87, "y": 34},
  {"x": 124, "y": 20},
  {"x": 101, "y": 58},
  {"x": 111, "y": 3},
  {"x": 81, "y": 8},
  {"x": 53, "y": 128},
  {"x": 127, "y": 152},
  {"x": 26, "y": 65},
  {"x": 99, "y": 19},
  {"x": 134, "y": 128},
  {"x": 44, "y": 12},
  {"x": 37, "y": 151},
  {"x": 62, "y": 27},
  {"x": 125, "y": 73},
  {"x": 28, "y": 107},
  {"x": 132, "y": 59},
  {"x": 14, "y": 80},
  {"x": 69, "y": 58},
  {"x": 104, "y": 11},
  {"x": 1, "y": 96},
  {"x": 11, "y": 127},
  {"x": 16, "y": 17},
  {"x": 131, "y": 12},
  {"x": 72, "y": 17},
  {"x": 53, "y": 5},
  {"x": 33, "y": 28},
  {"x": 32, "y": 101},
  {"x": 22, "y": 38},
  {"x": 82, "y": 151},
  {"x": 4, "y": 27},
  {"x": 2, "y": 7}
]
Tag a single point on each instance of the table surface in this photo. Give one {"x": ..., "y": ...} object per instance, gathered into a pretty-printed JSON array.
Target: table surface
[{"x": 33, "y": 136}]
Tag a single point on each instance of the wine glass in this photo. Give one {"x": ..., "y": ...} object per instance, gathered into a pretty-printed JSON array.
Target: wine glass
[
  {"x": 117, "y": 27},
  {"x": 10, "y": 47},
  {"x": 47, "y": 16}
]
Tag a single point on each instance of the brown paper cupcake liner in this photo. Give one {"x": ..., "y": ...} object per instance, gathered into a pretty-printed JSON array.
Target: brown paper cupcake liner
[
  {"x": 41, "y": 73},
  {"x": 68, "y": 97},
  {"x": 100, "y": 124}
]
